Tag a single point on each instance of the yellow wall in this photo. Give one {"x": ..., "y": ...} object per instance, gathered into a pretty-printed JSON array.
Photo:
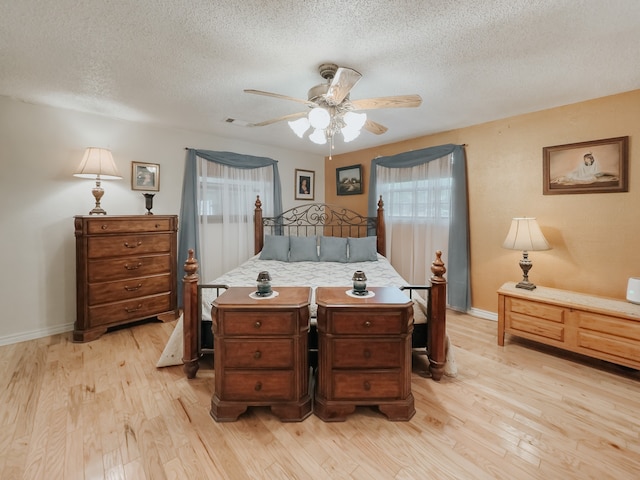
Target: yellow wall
[{"x": 593, "y": 236}]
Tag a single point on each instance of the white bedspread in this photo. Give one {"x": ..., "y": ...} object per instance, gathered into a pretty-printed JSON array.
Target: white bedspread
[{"x": 312, "y": 274}]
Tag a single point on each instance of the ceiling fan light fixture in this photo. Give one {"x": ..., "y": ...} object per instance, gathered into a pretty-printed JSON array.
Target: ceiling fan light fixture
[
  {"x": 318, "y": 136},
  {"x": 300, "y": 126},
  {"x": 319, "y": 118},
  {"x": 349, "y": 133},
  {"x": 355, "y": 120}
]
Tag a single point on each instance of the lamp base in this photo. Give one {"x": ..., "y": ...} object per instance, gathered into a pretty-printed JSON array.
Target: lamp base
[
  {"x": 526, "y": 285},
  {"x": 98, "y": 211},
  {"x": 98, "y": 192}
]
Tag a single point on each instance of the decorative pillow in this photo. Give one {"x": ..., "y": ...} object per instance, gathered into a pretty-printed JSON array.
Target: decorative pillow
[
  {"x": 333, "y": 249},
  {"x": 303, "y": 249},
  {"x": 276, "y": 247},
  {"x": 363, "y": 249}
]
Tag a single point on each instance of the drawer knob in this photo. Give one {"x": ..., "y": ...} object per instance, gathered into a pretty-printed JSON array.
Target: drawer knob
[
  {"x": 128, "y": 245},
  {"x": 131, "y": 310},
  {"x": 133, "y": 267},
  {"x": 258, "y": 324},
  {"x": 367, "y": 386},
  {"x": 104, "y": 227},
  {"x": 367, "y": 324},
  {"x": 258, "y": 387},
  {"x": 367, "y": 353},
  {"x": 257, "y": 354},
  {"x": 133, "y": 289}
]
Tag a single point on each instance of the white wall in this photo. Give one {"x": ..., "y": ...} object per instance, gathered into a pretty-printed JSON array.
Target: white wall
[{"x": 40, "y": 147}]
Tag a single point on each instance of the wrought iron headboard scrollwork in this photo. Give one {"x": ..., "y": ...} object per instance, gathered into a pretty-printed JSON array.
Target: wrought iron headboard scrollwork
[{"x": 319, "y": 219}]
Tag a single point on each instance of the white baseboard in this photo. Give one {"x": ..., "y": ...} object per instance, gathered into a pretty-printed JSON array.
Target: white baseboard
[
  {"x": 32, "y": 335},
  {"x": 483, "y": 314}
]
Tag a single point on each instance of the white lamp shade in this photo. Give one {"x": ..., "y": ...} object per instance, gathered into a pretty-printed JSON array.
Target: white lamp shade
[
  {"x": 355, "y": 120},
  {"x": 525, "y": 235},
  {"x": 319, "y": 118},
  {"x": 300, "y": 126},
  {"x": 318, "y": 137},
  {"x": 349, "y": 133},
  {"x": 97, "y": 162}
]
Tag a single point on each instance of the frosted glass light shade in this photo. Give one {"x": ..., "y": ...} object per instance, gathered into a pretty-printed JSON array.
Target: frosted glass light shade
[
  {"x": 525, "y": 235},
  {"x": 318, "y": 137},
  {"x": 319, "y": 118},
  {"x": 97, "y": 162},
  {"x": 300, "y": 126}
]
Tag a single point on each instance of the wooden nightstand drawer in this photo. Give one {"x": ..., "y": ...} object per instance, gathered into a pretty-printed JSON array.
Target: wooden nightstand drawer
[
  {"x": 547, "y": 312},
  {"x": 256, "y": 323},
  {"x": 371, "y": 353},
  {"x": 102, "y": 226},
  {"x": 366, "y": 385},
  {"x": 126, "y": 289},
  {"x": 258, "y": 353},
  {"x": 535, "y": 326},
  {"x": 257, "y": 386},
  {"x": 128, "y": 267},
  {"x": 114, "y": 246},
  {"x": 352, "y": 322},
  {"x": 143, "y": 307}
]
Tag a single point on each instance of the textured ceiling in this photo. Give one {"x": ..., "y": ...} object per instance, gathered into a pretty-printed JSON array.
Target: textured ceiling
[{"x": 185, "y": 63}]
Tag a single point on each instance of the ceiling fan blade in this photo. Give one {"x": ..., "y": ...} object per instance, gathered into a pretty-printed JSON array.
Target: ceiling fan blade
[
  {"x": 341, "y": 84},
  {"x": 398, "y": 101},
  {"x": 282, "y": 97},
  {"x": 291, "y": 116},
  {"x": 375, "y": 127}
]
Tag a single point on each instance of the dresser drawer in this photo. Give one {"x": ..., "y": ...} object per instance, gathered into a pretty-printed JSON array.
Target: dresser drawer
[
  {"x": 258, "y": 353},
  {"x": 367, "y": 323},
  {"x": 112, "y": 246},
  {"x": 257, "y": 323},
  {"x": 126, "y": 289},
  {"x": 254, "y": 386},
  {"x": 101, "y": 226},
  {"x": 128, "y": 267},
  {"x": 535, "y": 309},
  {"x": 535, "y": 326},
  {"x": 366, "y": 385},
  {"x": 367, "y": 353},
  {"x": 137, "y": 308}
]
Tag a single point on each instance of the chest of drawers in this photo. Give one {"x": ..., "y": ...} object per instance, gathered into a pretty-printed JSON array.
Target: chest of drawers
[
  {"x": 126, "y": 269},
  {"x": 364, "y": 353},
  {"x": 260, "y": 350}
]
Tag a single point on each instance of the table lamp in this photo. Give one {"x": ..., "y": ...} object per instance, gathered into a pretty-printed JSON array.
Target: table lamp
[
  {"x": 97, "y": 163},
  {"x": 525, "y": 235}
]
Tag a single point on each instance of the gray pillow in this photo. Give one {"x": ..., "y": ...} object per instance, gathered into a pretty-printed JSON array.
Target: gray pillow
[
  {"x": 276, "y": 247},
  {"x": 333, "y": 249},
  {"x": 303, "y": 249},
  {"x": 363, "y": 249}
]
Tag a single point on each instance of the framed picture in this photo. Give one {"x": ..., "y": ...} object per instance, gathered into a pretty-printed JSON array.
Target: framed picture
[
  {"x": 598, "y": 166},
  {"x": 349, "y": 180},
  {"x": 145, "y": 176},
  {"x": 305, "y": 181}
]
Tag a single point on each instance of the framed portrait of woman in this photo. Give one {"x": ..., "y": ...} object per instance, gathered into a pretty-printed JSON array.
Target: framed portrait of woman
[
  {"x": 304, "y": 184},
  {"x": 145, "y": 176}
]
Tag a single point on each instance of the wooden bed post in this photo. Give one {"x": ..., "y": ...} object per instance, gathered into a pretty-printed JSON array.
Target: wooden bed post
[
  {"x": 190, "y": 320},
  {"x": 380, "y": 230},
  {"x": 436, "y": 325},
  {"x": 258, "y": 227}
]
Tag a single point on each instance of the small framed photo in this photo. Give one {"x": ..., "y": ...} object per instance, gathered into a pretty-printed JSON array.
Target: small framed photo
[
  {"x": 305, "y": 184},
  {"x": 597, "y": 166},
  {"x": 349, "y": 180},
  {"x": 145, "y": 176}
]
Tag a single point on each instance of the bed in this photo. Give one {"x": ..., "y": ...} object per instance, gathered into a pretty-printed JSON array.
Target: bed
[{"x": 318, "y": 245}]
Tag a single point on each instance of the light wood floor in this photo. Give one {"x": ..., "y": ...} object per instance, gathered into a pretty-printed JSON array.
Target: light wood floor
[{"x": 102, "y": 410}]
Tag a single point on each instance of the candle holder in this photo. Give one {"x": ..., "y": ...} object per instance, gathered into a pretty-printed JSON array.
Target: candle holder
[
  {"x": 148, "y": 202},
  {"x": 359, "y": 283},
  {"x": 264, "y": 284}
]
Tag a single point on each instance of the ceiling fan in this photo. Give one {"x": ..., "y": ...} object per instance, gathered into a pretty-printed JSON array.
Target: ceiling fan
[{"x": 330, "y": 110}]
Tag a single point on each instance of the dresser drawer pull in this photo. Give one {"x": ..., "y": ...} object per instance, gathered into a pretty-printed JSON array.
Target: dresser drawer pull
[
  {"x": 133, "y": 289},
  {"x": 133, "y": 267},
  {"x": 367, "y": 324},
  {"x": 258, "y": 324},
  {"x": 367, "y": 353},
  {"x": 367, "y": 386},
  {"x": 257, "y": 354},
  {"x": 131, "y": 310},
  {"x": 258, "y": 387},
  {"x": 128, "y": 245},
  {"x": 104, "y": 227}
]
